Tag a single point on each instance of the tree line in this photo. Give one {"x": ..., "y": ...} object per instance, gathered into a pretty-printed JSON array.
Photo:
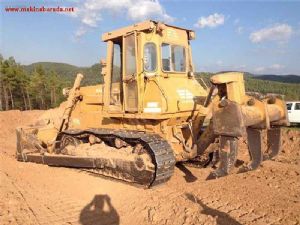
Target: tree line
[
  {"x": 291, "y": 91},
  {"x": 22, "y": 90},
  {"x": 39, "y": 85}
]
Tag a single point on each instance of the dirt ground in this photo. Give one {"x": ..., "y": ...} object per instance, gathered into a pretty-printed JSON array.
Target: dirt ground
[{"x": 39, "y": 194}]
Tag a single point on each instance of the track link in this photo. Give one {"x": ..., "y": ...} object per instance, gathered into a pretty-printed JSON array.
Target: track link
[{"x": 159, "y": 149}]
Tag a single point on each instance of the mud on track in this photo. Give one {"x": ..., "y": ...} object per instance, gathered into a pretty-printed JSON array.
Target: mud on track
[{"x": 38, "y": 194}]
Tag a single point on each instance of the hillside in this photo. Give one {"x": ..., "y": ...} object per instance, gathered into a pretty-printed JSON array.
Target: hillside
[
  {"x": 280, "y": 78},
  {"x": 291, "y": 91},
  {"x": 92, "y": 74}
]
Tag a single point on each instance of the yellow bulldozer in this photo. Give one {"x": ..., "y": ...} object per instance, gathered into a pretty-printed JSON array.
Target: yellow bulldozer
[{"x": 150, "y": 113}]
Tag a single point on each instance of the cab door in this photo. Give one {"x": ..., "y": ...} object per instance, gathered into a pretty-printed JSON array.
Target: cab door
[
  {"x": 130, "y": 85},
  {"x": 116, "y": 83},
  {"x": 294, "y": 112}
]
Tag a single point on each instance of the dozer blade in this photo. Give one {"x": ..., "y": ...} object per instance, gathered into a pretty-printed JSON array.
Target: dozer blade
[
  {"x": 227, "y": 154},
  {"x": 27, "y": 141},
  {"x": 130, "y": 169},
  {"x": 273, "y": 143},
  {"x": 254, "y": 139}
]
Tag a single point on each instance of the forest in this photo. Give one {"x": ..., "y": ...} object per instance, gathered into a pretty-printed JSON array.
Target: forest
[
  {"x": 23, "y": 90},
  {"x": 39, "y": 85}
]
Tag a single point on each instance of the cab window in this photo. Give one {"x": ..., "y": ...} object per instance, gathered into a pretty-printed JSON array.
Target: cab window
[
  {"x": 289, "y": 106},
  {"x": 178, "y": 58},
  {"x": 150, "y": 57},
  {"x": 116, "y": 76},
  {"x": 130, "y": 63},
  {"x": 173, "y": 58},
  {"x": 166, "y": 57}
]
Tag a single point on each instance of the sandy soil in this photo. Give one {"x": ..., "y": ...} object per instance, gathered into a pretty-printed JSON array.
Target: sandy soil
[{"x": 39, "y": 194}]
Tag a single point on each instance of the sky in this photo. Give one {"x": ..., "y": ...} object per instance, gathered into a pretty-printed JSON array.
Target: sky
[{"x": 261, "y": 37}]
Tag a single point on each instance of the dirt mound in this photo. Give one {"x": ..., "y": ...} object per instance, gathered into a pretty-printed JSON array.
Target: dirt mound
[
  {"x": 290, "y": 146},
  {"x": 9, "y": 121},
  {"x": 290, "y": 150},
  {"x": 39, "y": 194}
]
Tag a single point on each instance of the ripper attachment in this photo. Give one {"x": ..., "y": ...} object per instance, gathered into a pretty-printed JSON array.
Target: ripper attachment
[{"x": 236, "y": 114}]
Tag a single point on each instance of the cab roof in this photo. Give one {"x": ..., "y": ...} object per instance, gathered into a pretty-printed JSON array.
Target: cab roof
[{"x": 145, "y": 25}]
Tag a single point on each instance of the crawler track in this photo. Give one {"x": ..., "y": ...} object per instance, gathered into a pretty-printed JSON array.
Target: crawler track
[{"x": 158, "y": 148}]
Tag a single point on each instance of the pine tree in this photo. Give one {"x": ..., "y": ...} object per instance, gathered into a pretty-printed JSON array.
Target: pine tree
[{"x": 38, "y": 87}]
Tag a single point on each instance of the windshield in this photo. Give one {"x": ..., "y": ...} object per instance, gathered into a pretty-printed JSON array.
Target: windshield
[{"x": 173, "y": 58}]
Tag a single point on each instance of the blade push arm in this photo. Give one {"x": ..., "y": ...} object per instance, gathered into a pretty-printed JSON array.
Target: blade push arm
[{"x": 71, "y": 101}]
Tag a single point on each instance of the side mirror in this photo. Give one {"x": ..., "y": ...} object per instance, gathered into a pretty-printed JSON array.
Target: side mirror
[{"x": 191, "y": 74}]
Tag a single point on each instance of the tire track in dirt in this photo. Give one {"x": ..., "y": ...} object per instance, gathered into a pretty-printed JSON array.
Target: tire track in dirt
[
  {"x": 44, "y": 207},
  {"x": 12, "y": 202},
  {"x": 49, "y": 198},
  {"x": 43, "y": 204},
  {"x": 208, "y": 210},
  {"x": 231, "y": 213}
]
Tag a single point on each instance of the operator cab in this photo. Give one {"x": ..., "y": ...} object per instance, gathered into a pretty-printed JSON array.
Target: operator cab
[{"x": 148, "y": 65}]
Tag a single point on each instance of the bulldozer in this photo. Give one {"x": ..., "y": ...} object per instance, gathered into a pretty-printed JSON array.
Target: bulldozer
[{"x": 151, "y": 112}]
